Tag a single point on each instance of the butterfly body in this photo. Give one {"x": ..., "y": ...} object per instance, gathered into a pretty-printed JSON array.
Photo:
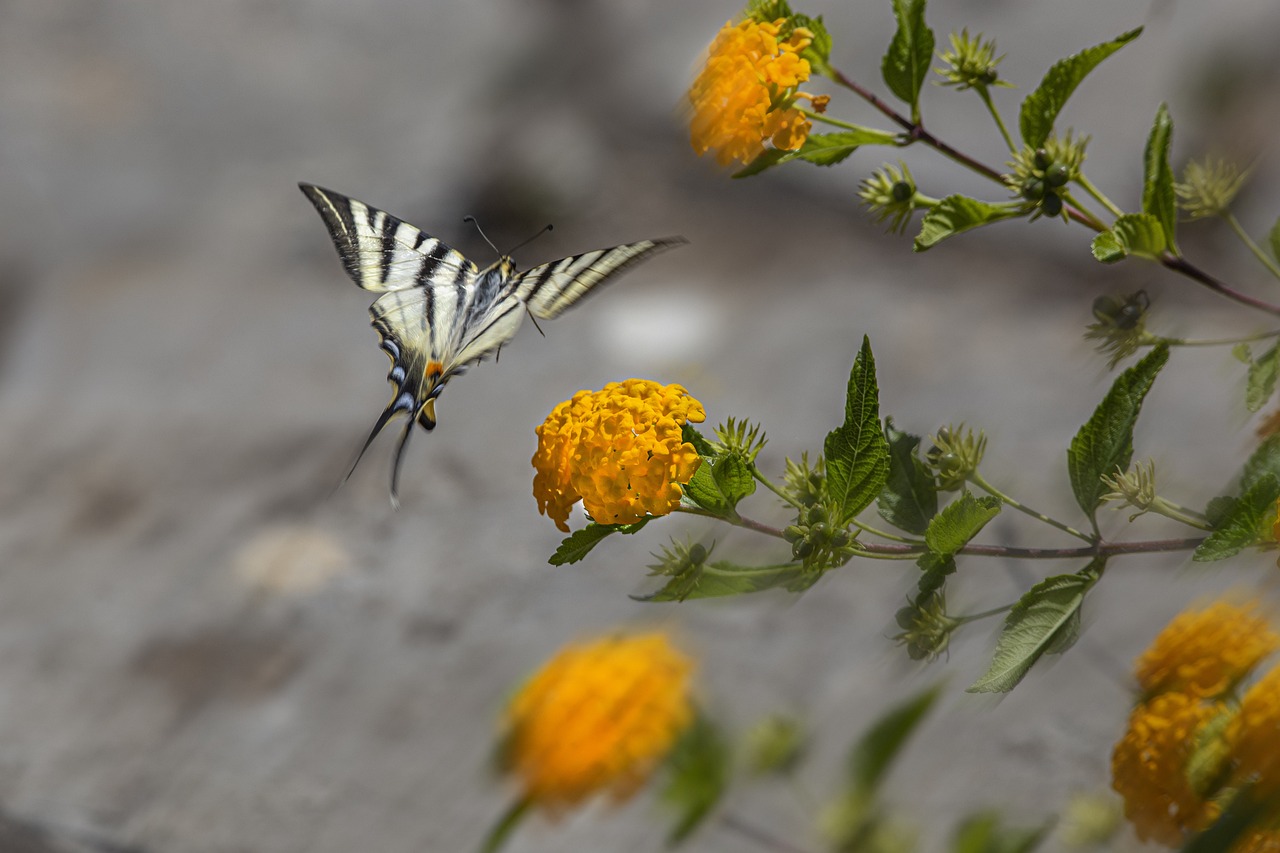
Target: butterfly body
[{"x": 437, "y": 312}]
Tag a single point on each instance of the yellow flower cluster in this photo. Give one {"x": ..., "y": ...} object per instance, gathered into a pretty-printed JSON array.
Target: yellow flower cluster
[
  {"x": 1188, "y": 745},
  {"x": 599, "y": 716},
  {"x": 1205, "y": 652},
  {"x": 618, "y": 450},
  {"x": 745, "y": 92}
]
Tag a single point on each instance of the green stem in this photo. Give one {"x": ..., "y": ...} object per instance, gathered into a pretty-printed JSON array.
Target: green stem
[
  {"x": 736, "y": 521},
  {"x": 501, "y": 830},
  {"x": 764, "y": 481},
  {"x": 1102, "y": 549},
  {"x": 978, "y": 481},
  {"x": 826, "y": 119},
  {"x": 1088, "y": 186},
  {"x": 991, "y": 108},
  {"x": 1253, "y": 247},
  {"x": 758, "y": 835},
  {"x": 1169, "y": 509},
  {"x": 1094, "y": 221},
  {"x": 1213, "y": 342},
  {"x": 974, "y": 617},
  {"x": 884, "y": 534}
]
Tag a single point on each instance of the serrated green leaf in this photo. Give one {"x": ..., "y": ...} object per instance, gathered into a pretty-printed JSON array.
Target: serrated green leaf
[
  {"x": 1158, "y": 198},
  {"x": 1244, "y": 524},
  {"x": 580, "y": 542},
  {"x": 960, "y": 521},
  {"x": 1273, "y": 237},
  {"x": 1132, "y": 234},
  {"x": 856, "y": 453},
  {"x": 823, "y": 149},
  {"x": 935, "y": 568},
  {"x": 699, "y": 775},
  {"x": 910, "y": 497},
  {"x": 1218, "y": 509},
  {"x": 983, "y": 833},
  {"x": 704, "y": 448},
  {"x": 1040, "y": 109},
  {"x": 1045, "y": 620},
  {"x": 819, "y": 50},
  {"x": 721, "y": 578},
  {"x": 1260, "y": 383},
  {"x": 1263, "y": 461},
  {"x": 1105, "y": 442},
  {"x": 906, "y": 64},
  {"x": 874, "y": 753},
  {"x": 956, "y": 214}
]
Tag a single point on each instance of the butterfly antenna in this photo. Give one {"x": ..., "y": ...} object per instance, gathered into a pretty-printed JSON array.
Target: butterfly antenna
[
  {"x": 395, "y": 465},
  {"x": 535, "y": 322},
  {"x": 473, "y": 221},
  {"x": 545, "y": 229}
]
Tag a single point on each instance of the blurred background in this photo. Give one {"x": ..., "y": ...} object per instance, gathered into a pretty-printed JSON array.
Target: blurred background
[{"x": 205, "y": 647}]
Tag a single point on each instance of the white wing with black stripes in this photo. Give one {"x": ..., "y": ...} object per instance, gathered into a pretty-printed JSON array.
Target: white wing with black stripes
[{"x": 437, "y": 311}]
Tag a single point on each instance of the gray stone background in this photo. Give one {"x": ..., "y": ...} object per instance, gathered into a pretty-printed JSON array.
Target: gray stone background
[{"x": 204, "y": 647}]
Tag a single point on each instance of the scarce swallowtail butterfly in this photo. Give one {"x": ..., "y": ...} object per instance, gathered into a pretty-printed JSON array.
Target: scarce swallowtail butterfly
[{"x": 438, "y": 312}]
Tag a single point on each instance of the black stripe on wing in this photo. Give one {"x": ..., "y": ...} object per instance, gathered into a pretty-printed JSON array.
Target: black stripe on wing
[
  {"x": 551, "y": 288},
  {"x": 381, "y": 252}
]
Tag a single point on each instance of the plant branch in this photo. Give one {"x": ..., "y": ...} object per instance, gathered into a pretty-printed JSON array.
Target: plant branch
[
  {"x": 1248, "y": 241},
  {"x": 759, "y": 836}
]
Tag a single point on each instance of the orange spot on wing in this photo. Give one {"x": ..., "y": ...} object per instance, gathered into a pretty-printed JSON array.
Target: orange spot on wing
[{"x": 434, "y": 369}]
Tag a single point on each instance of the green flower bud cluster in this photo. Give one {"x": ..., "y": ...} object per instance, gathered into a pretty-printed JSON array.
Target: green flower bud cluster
[
  {"x": 1208, "y": 188},
  {"x": 1040, "y": 177},
  {"x": 890, "y": 193},
  {"x": 814, "y": 535},
  {"x": 955, "y": 455},
  {"x": 1120, "y": 325},
  {"x": 971, "y": 62},
  {"x": 740, "y": 438},
  {"x": 680, "y": 558},
  {"x": 926, "y": 627},
  {"x": 806, "y": 484}
]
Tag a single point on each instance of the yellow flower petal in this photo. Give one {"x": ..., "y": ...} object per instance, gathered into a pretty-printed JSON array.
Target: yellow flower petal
[{"x": 1206, "y": 652}]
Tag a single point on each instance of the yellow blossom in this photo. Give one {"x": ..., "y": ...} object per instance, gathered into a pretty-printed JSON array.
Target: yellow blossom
[
  {"x": 1149, "y": 768},
  {"x": 1258, "y": 841},
  {"x": 619, "y": 450},
  {"x": 598, "y": 717},
  {"x": 1206, "y": 652},
  {"x": 745, "y": 93},
  {"x": 1254, "y": 736}
]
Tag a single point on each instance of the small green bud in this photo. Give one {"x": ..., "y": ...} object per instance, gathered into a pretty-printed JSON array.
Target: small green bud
[
  {"x": 802, "y": 549},
  {"x": 840, "y": 538},
  {"x": 793, "y": 533},
  {"x": 1057, "y": 175},
  {"x": 1052, "y": 204},
  {"x": 1033, "y": 190},
  {"x": 775, "y": 745},
  {"x": 816, "y": 513},
  {"x": 902, "y": 191},
  {"x": 697, "y": 554},
  {"x": 819, "y": 532},
  {"x": 1041, "y": 159}
]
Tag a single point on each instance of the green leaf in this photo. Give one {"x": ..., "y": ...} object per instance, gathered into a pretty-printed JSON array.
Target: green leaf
[
  {"x": 982, "y": 833},
  {"x": 1045, "y": 620},
  {"x": 959, "y": 522},
  {"x": 1245, "y": 813},
  {"x": 874, "y": 753},
  {"x": 1040, "y": 109},
  {"x": 1105, "y": 442},
  {"x": 719, "y": 484},
  {"x": 935, "y": 568},
  {"x": 699, "y": 775},
  {"x": 580, "y": 542},
  {"x": 1244, "y": 524},
  {"x": 906, "y": 64},
  {"x": 823, "y": 149},
  {"x": 1132, "y": 234},
  {"x": 1158, "y": 198},
  {"x": 910, "y": 496},
  {"x": 1219, "y": 509},
  {"x": 1265, "y": 460},
  {"x": 1273, "y": 237},
  {"x": 857, "y": 455},
  {"x": 956, "y": 214},
  {"x": 705, "y": 448},
  {"x": 819, "y": 50},
  {"x": 1260, "y": 383},
  {"x": 721, "y": 578}
]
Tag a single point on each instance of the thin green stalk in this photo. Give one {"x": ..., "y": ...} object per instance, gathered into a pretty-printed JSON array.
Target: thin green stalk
[
  {"x": 1215, "y": 342},
  {"x": 826, "y": 119},
  {"x": 978, "y": 481},
  {"x": 974, "y": 617},
  {"x": 501, "y": 830},
  {"x": 760, "y": 836},
  {"x": 1189, "y": 517},
  {"x": 1253, "y": 247},
  {"x": 884, "y": 534},
  {"x": 1094, "y": 221},
  {"x": 991, "y": 108},
  {"x": 764, "y": 481},
  {"x": 1088, "y": 186}
]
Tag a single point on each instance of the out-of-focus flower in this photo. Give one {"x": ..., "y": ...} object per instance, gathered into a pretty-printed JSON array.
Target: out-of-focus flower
[
  {"x": 1150, "y": 767},
  {"x": 619, "y": 450},
  {"x": 745, "y": 94},
  {"x": 1206, "y": 652},
  {"x": 597, "y": 718},
  {"x": 1208, "y": 188},
  {"x": 1254, "y": 736}
]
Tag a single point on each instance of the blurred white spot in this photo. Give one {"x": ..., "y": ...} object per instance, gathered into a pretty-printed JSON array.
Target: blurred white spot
[
  {"x": 290, "y": 560},
  {"x": 665, "y": 326}
]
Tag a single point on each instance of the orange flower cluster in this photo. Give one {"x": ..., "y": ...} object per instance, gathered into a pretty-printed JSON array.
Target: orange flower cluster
[
  {"x": 619, "y": 450},
  {"x": 598, "y": 717},
  {"x": 745, "y": 92},
  {"x": 1188, "y": 745}
]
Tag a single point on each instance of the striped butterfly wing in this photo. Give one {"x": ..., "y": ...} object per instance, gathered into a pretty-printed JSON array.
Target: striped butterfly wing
[{"x": 548, "y": 290}]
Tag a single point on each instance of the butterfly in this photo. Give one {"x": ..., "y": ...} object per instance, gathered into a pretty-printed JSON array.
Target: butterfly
[{"x": 438, "y": 312}]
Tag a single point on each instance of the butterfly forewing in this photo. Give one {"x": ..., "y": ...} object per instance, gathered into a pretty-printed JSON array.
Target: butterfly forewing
[
  {"x": 438, "y": 312},
  {"x": 551, "y": 288}
]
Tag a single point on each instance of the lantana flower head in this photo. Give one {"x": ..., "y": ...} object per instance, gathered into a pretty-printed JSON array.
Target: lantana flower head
[
  {"x": 1254, "y": 736},
  {"x": 1206, "y": 652},
  {"x": 619, "y": 450},
  {"x": 598, "y": 717},
  {"x": 745, "y": 94}
]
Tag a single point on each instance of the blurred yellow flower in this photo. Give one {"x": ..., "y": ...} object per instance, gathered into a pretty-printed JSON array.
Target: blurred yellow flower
[
  {"x": 745, "y": 92},
  {"x": 1258, "y": 841},
  {"x": 1254, "y": 736},
  {"x": 1149, "y": 768},
  {"x": 1206, "y": 652},
  {"x": 598, "y": 717},
  {"x": 618, "y": 450}
]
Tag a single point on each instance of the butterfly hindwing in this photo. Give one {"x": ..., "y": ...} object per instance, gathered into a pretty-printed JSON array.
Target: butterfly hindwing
[{"x": 551, "y": 288}]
